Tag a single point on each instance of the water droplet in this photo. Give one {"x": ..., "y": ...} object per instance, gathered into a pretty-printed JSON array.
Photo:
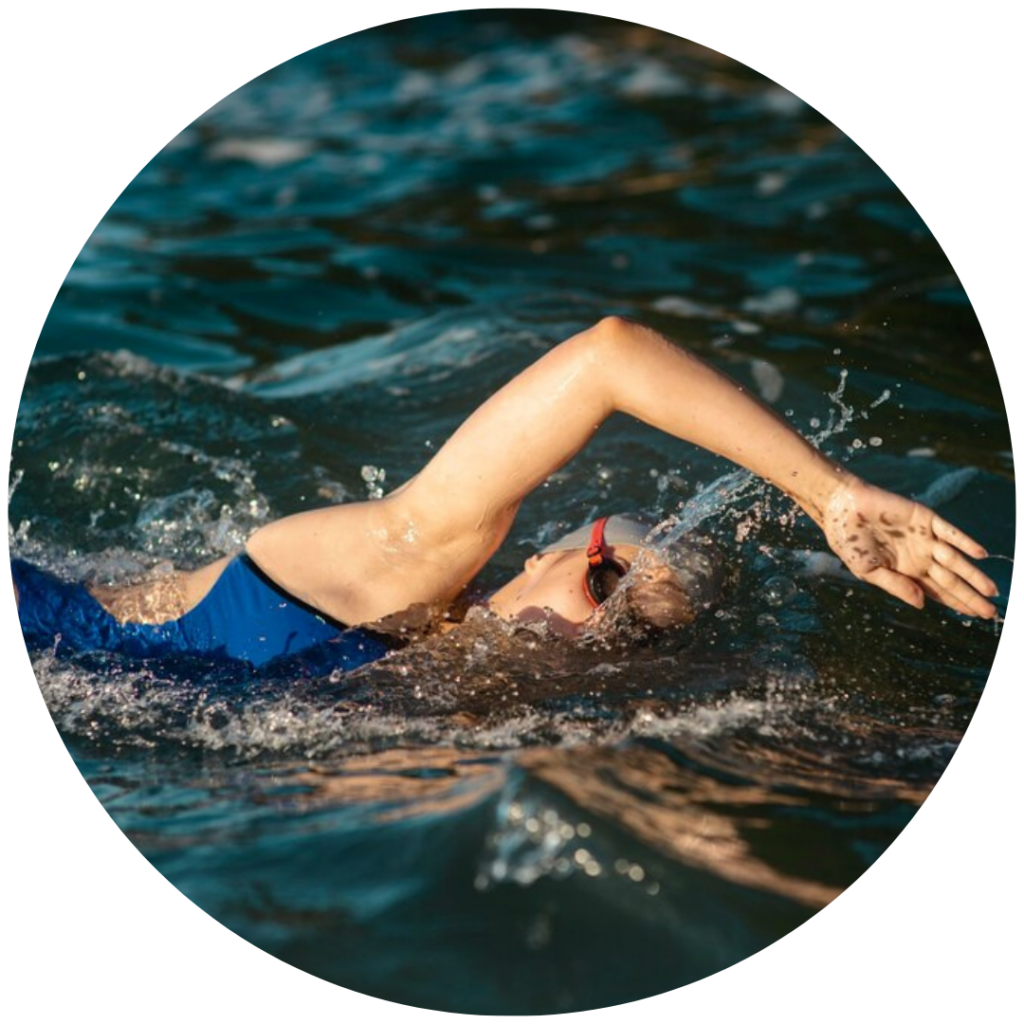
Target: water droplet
[{"x": 778, "y": 591}]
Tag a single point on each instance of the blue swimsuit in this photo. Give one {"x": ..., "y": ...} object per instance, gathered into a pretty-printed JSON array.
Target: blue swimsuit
[{"x": 245, "y": 617}]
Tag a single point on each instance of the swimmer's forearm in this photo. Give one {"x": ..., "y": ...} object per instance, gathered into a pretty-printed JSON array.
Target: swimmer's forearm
[{"x": 671, "y": 389}]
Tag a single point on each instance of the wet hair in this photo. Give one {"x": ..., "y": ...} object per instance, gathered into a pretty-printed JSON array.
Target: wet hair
[
  {"x": 660, "y": 603},
  {"x": 667, "y": 588}
]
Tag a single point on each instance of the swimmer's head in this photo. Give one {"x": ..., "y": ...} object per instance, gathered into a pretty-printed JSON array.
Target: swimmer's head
[
  {"x": 638, "y": 575},
  {"x": 668, "y": 585}
]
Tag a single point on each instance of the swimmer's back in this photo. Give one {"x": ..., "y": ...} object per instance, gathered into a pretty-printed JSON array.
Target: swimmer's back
[{"x": 244, "y": 616}]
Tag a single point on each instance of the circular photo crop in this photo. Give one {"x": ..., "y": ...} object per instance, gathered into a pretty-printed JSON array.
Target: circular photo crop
[{"x": 511, "y": 512}]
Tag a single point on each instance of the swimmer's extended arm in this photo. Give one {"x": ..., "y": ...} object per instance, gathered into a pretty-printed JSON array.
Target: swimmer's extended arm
[{"x": 468, "y": 494}]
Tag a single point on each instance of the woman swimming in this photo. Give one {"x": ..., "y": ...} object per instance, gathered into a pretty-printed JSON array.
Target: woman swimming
[{"x": 353, "y": 574}]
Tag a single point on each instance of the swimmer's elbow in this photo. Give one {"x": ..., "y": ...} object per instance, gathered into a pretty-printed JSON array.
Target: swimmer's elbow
[
  {"x": 615, "y": 338},
  {"x": 614, "y": 326},
  {"x": 609, "y": 334},
  {"x": 599, "y": 350}
]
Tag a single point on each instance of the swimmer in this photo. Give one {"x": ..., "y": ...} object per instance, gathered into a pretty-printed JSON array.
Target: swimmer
[{"x": 355, "y": 574}]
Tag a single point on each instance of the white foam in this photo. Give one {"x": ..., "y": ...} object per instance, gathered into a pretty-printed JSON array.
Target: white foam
[
  {"x": 267, "y": 153},
  {"x": 769, "y": 380},
  {"x": 778, "y": 300}
]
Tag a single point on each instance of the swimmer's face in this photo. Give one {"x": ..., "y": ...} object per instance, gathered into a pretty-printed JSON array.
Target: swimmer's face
[{"x": 550, "y": 589}]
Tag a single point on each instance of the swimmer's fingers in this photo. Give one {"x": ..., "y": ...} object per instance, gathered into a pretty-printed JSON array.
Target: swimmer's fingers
[
  {"x": 952, "y": 560},
  {"x": 958, "y": 594},
  {"x": 941, "y": 586},
  {"x": 957, "y": 538},
  {"x": 897, "y": 584},
  {"x": 940, "y": 596}
]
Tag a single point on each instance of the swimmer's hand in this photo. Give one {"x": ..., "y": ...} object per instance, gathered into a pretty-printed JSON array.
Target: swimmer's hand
[{"x": 906, "y": 549}]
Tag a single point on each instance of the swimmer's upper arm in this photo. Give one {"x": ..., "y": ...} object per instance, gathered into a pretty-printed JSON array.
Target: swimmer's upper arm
[{"x": 513, "y": 442}]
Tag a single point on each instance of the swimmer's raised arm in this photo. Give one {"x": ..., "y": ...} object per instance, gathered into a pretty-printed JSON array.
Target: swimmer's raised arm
[
  {"x": 423, "y": 543},
  {"x": 535, "y": 424},
  {"x": 542, "y": 418}
]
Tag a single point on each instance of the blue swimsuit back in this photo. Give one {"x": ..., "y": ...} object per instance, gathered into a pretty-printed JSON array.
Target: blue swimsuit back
[{"x": 244, "y": 617}]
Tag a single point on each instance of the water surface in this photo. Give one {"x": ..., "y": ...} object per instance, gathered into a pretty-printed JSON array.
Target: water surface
[{"x": 298, "y": 300}]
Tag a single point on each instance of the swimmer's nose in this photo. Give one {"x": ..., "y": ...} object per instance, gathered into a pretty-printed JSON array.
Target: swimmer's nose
[{"x": 530, "y": 565}]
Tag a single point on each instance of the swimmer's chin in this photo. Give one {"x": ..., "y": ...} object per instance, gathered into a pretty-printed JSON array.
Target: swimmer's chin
[
  {"x": 544, "y": 622},
  {"x": 545, "y": 619},
  {"x": 421, "y": 620}
]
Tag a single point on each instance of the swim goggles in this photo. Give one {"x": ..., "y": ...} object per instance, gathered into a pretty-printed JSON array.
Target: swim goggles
[{"x": 603, "y": 573}]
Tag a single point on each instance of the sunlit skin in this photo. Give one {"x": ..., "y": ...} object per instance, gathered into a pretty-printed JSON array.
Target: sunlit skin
[
  {"x": 419, "y": 547},
  {"x": 550, "y": 590},
  {"x": 425, "y": 542}
]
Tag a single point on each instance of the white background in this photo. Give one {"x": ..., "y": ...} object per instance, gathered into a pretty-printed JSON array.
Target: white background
[{"x": 92, "y": 91}]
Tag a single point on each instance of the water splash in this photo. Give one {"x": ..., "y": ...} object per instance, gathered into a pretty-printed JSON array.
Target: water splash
[
  {"x": 532, "y": 840},
  {"x": 373, "y": 477}
]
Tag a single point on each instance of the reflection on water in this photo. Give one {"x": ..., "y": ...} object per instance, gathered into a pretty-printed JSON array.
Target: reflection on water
[{"x": 301, "y": 297}]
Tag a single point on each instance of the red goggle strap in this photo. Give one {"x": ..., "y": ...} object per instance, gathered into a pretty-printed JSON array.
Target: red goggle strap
[
  {"x": 595, "y": 557},
  {"x": 595, "y": 552}
]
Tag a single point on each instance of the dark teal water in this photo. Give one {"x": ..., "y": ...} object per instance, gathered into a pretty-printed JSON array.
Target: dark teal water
[{"x": 317, "y": 281}]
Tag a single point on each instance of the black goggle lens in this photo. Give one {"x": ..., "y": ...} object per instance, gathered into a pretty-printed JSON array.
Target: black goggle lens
[{"x": 603, "y": 580}]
